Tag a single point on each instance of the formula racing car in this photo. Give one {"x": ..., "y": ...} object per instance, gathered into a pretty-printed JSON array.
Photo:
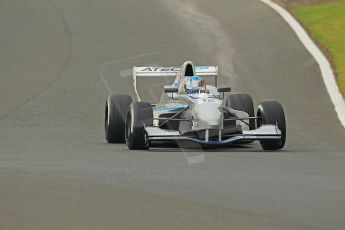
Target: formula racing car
[{"x": 192, "y": 110}]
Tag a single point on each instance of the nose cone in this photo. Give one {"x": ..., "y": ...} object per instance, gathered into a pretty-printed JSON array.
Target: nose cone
[{"x": 209, "y": 113}]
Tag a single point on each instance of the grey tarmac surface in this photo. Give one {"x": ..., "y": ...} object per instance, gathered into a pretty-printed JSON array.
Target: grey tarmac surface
[{"x": 58, "y": 60}]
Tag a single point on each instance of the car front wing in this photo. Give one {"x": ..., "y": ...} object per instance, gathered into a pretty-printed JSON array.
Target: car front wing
[{"x": 264, "y": 132}]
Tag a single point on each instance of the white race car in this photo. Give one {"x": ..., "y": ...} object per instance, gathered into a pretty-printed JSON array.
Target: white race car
[{"x": 192, "y": 111}]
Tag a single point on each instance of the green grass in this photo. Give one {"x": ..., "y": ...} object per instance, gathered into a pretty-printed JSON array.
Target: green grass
[{"x": 326, "y": 23}]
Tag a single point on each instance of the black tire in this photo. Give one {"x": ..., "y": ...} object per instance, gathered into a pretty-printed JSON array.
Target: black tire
[
  {"x": 116, "y": 109},
  {"x": 140, "y": 114},
  {"x": 272, "y": 112},
  {"x": 242, "y": 102}
]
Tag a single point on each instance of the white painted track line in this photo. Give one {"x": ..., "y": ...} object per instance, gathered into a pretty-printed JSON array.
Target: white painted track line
[{"x": 325, "y": 67}]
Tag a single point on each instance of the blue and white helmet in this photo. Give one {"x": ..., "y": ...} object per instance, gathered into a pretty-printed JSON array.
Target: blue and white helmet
[{"x": 193, "y": 84}]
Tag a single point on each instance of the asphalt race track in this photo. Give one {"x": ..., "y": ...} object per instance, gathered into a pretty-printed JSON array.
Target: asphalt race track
[{"x": 59, "y": 59}]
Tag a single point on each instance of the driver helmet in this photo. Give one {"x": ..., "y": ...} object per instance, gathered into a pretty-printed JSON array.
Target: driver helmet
[{"x": 194, "y": 84}]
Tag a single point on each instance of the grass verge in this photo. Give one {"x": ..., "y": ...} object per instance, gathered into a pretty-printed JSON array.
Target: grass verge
[{"x": 326, "y": 23}]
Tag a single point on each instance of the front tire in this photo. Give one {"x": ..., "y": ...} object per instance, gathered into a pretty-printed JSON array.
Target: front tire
[
  {"x": 272, "y": 112},
  {"x": 116, "y": 108},
  {"x": 139, "y": 116}
]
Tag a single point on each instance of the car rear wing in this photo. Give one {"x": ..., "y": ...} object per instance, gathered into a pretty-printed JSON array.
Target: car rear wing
[
  {"x": 172, "y": 71},
  {"x": 147, "y": 71}
]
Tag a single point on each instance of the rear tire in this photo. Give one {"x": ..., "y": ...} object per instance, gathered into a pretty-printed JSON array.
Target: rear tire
[
  {"x": 116, "y": 109},
  {"x": 272, "y": 112},
  {"x": 139, "y": 116},
  {"x": 242, "y": 102}
]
